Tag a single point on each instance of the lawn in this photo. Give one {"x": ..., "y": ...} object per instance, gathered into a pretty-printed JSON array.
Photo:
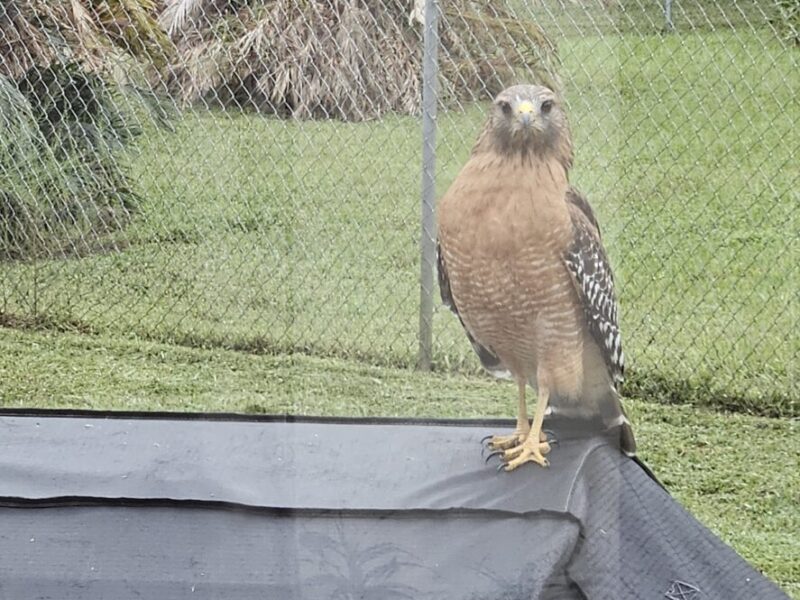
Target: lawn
[
  {"x": 736, "y": 473},
  {"x": 273, "y": 236},
  {"x": 578, "y": 18}
]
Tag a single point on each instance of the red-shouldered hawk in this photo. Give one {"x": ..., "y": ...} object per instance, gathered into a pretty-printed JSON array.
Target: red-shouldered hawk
[{"x": 522, "y": 265}]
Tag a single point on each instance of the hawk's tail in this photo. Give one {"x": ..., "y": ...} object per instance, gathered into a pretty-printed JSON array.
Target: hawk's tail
[
  {"x": 614, "y": 417},
  {"x": 627, "y": 443}
]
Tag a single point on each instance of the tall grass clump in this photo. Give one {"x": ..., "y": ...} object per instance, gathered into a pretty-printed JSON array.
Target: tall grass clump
[
  {"x": 68, "y": 73},
  {"x": 64, "y": 181}
]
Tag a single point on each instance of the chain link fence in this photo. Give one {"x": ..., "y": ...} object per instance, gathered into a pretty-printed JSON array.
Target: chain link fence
[{"x": 247, "y": 173}]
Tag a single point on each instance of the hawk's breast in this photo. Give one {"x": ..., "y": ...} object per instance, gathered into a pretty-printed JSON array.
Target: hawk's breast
[{"x": 503, "y": 232}]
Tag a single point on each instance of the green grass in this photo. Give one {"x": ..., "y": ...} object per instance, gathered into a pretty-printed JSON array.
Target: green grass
[
  {"x": 608, "y": 17},
  {"x": 736, "y": 473},
  {"x": 275, "y": 236}
]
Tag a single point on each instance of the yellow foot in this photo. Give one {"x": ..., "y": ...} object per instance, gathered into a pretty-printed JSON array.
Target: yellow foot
[
  {"x": 528, "y": 451},
  {"x": 503, "y": 442}
]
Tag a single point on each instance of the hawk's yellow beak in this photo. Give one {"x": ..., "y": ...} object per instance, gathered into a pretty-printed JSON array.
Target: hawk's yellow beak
[{"x": 525, "y": 112}]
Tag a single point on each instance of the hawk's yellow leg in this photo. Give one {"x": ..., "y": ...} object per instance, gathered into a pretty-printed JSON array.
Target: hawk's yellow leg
[
  {"x": 503, "y": 442},
  {"x": 535, "y": 445}
]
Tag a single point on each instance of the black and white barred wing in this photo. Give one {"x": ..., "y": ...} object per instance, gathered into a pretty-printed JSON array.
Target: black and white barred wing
[{"x": 591, "y": 273}]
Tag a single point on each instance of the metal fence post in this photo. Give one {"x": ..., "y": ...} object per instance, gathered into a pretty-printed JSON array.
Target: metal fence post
[
  {"x": 669, "y": 26},
  {"x": 430, "y": 73}
]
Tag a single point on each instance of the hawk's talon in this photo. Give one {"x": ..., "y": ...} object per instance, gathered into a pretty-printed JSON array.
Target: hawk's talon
[
  {"x": 512, "y": 453},
  {"x": 491, "y": 451},
  {"x": 509, "y": 467},
  {"x": 530, "y": 453},
  {"x": 527, "y": 451},
  {"x": 518, "y": 448},
  {"x": 504, "y": 442},
  {"x": 493, "y": 454}
]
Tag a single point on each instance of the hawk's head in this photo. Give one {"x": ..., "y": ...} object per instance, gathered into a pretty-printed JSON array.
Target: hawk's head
[{"x": 529, "y": 119}]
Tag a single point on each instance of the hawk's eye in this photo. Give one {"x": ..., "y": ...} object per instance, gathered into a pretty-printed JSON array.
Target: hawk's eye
[
  {"x": 505, "y": 107},
  {"x": 547, "y": 106}
]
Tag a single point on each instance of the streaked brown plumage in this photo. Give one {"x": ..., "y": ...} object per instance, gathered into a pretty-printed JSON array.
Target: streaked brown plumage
[{"x": 522, "y": 264}]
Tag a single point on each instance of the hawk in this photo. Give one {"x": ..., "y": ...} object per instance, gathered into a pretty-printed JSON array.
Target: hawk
[{"x": 522, "y": 265}]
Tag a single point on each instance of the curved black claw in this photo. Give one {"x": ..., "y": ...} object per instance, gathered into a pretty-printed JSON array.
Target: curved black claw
[
  {"x": 501, "y": 467},
  {"x": 488, "y": 437},
  {"x": 484, "y": 450},
  {"x": 495, "y": 453}
]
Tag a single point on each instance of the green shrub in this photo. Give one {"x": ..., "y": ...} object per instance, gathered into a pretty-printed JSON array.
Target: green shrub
[
  {"x": 66, "y": 70},
  {"x": 63, "y": 185},
  {"x": 787, "y": 21}
]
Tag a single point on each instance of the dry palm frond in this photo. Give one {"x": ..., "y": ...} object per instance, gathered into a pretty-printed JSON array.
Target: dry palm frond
[
  {"x": 485, "y": 48},
  {"x": 177, "y": 14},
  {"x": 131, "y": 25},
  {"x": 23, "y": 43},
  {"x": 316, "y": 58},
  {"x": 37, "y": 32},
  {"x": 349, "y": 59}
]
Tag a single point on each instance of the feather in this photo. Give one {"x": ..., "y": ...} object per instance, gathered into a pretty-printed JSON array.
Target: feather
[
  {"x": 575, "y": 198},
  {"x": 489, "y": 360},
  {"x": 588, "y": 264}
]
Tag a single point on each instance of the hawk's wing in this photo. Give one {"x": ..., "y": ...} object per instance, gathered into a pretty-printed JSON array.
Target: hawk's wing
[
  {"x": 591, "y": 273},
  {"x": 575, "y": 199},
  {"x": 489, "y": 359}
]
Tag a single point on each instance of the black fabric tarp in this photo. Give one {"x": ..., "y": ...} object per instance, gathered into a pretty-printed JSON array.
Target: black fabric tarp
[{"x": 127, "y": 506}]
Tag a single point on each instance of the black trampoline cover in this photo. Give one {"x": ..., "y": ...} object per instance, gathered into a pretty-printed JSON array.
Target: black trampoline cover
[{"x": 122, "y": 506}]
